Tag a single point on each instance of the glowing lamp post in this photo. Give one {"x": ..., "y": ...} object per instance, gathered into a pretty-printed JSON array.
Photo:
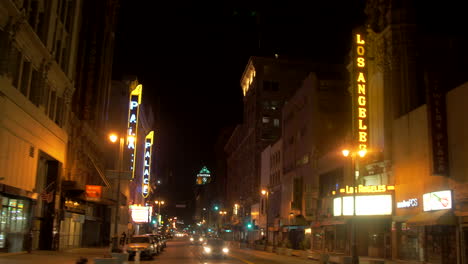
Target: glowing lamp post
[
  {"x": 113, "y": 138},
  {"x": 266, "y": 193},
  {"x": 159, "y": 203},
  {"x": 347, "y": 153}
]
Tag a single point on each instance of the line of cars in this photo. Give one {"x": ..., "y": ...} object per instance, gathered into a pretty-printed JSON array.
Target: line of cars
[{"x": 149, "y": 245}]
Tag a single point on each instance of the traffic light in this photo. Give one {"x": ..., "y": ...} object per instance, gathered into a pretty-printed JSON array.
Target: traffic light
[
  {"x": 249, "y": 225},
  {"x": 154, "y": 221},
  {"x": 216, "y": 208}
]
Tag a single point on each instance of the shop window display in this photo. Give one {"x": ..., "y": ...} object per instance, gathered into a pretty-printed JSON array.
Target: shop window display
[{"x": 13, "y": 223}]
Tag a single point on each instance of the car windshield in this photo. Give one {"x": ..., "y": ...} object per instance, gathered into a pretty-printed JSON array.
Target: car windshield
[
  {"x": 215, "y": 242},
  {"x": 139, "y": 240}
]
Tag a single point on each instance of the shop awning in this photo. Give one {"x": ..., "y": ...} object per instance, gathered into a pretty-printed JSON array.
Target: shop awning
[{"x": 441, "y": 217}]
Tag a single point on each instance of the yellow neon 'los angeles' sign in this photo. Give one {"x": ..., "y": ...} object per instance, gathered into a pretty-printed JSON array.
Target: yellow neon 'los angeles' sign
[
  {"x": 361, "y": 93},
  {"x": 367, "y": 189}
]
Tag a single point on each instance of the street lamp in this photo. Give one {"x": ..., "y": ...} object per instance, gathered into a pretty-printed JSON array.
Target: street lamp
[
  {"x": 159, "y": 203},
  {"x": 266, "y": 193},
  {"x": 223, "y": 214},
  {"x": 113, "y": 138},
  {"x": 361, "y": 153}
]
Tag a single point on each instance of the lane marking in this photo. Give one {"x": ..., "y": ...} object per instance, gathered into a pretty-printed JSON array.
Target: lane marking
[{"x": 241, "y": 259}]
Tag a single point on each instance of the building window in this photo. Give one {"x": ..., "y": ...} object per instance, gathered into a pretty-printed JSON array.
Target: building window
[
  {"x": 37, "y": 86},
  {"x": 266, "y": 119},
  {"x": 276, "y": 122},
  {"x": 270, "y": 86},
  {"x": 25, "y": 78}
]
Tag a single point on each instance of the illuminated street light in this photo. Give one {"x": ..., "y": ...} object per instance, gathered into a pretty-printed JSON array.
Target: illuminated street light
[
  {"x": 159, "y": 203},
  {"x": 361, "y": 153},
  {"x": 113, "y": 138},
  {"x": 266, "y": 192}
]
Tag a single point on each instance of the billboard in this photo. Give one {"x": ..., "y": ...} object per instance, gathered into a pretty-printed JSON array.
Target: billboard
[
  {"x": 437, "y": 200},
  {"x": 365, "y": 205},
  {"x": 140, "y": 214}
]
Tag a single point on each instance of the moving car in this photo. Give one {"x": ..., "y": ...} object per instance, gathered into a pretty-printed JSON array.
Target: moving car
[
  {"x": 143, "y": 243},
  {"x": 196, "y": 239},
  {"x": 215, "y": 247}
]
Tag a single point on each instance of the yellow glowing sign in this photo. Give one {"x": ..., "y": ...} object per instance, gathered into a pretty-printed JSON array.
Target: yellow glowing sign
[
  {"x": 145, "y": 184},
  {"x": 363, "y": 132},
  {"x": 133, "y": 113},
  {"x": 366, "y": 189},
  {"x": 140, "y": 214},
  {"x": 365, "y": 205}
]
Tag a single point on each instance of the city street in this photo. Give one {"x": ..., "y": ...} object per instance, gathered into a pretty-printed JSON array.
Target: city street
[{"x": 177, "y": 252}]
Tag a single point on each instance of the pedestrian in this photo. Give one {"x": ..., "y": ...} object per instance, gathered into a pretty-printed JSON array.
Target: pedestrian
[
  {"x": 28, "y": 239},
  {"x": 123, "y": 239}
]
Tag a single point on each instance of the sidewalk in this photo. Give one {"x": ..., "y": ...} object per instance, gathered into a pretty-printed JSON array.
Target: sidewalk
[{"x": 67, "y": 256}]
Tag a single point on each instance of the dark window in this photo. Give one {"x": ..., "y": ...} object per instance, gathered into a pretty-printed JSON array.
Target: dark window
[
  {"x": 270, "y": 86},
  {"x": 25, "y": 77},
  {"x": 58, "y": 111},
  {"x": 53, "y": 97},
  {"x": 36, "y": 87}
]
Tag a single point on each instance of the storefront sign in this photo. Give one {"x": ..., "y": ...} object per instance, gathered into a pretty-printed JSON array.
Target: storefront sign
[
  {"x": 133, "y": 113},
  {"x": 408, "y": 203},
  {"x": 367, "y": 189},
  {"x": 436, "y": 107},
  {"x": 365, "y": 205},
  {"x": 145, "y": 188},
  {"x": 437, "y": 200},
  {"x": 140, "y": 214},
  {"x": 361, "y": 92},
  {"x": 93, "y": 192}
]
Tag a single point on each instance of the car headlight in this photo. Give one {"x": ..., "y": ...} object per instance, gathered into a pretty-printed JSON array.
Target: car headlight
[
  {"x": 207, "y": 249},
  {"x": 225, "y": 250},
  {"x": 191, "y": 239}
]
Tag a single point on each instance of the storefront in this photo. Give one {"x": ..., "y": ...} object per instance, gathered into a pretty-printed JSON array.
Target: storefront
[
  {"x": 371, "y": 209},
  {"x": 71, "y": 226},
  {"x": 330, "y": 236},
  {"x": 430, "y": 235},
  {"x": 14, "y": 222}
]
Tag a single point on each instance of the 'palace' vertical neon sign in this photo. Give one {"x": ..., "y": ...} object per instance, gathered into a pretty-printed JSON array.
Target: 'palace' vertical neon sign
[
  {"x": 362, "y": 119},
  {"x": 133, "y": 113},
  {"x": 145, "y": 184}
]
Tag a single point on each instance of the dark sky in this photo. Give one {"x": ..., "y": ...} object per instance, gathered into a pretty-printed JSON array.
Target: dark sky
[{"x": 190, "y": 55}]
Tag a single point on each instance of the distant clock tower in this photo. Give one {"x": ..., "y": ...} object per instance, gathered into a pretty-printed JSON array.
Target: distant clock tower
[{"x": 204, "y": 176}]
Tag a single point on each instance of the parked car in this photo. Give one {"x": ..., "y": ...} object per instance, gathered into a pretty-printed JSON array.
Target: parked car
[
  {"x": 215, "y": 247},
  {"x": 163, "y": 239},
  {"x": 157, "y": 243},
  {"x": 144, "y": 244}
]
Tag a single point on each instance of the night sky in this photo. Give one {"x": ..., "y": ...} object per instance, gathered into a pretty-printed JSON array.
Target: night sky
[{"x": 190, "y": 55}]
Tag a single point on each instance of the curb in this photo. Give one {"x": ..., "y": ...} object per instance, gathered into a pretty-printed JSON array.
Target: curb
[{"x": 12, "y": 253}]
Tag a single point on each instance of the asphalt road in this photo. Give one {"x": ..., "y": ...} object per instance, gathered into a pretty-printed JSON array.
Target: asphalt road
[{"x": 178, "y": 251}]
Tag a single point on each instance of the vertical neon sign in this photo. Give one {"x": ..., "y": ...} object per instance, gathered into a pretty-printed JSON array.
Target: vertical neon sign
[
  {"x": 361, "y": 93},
  {"x": 133, "y": 113},
  {"x": 147, "y": 165}
]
